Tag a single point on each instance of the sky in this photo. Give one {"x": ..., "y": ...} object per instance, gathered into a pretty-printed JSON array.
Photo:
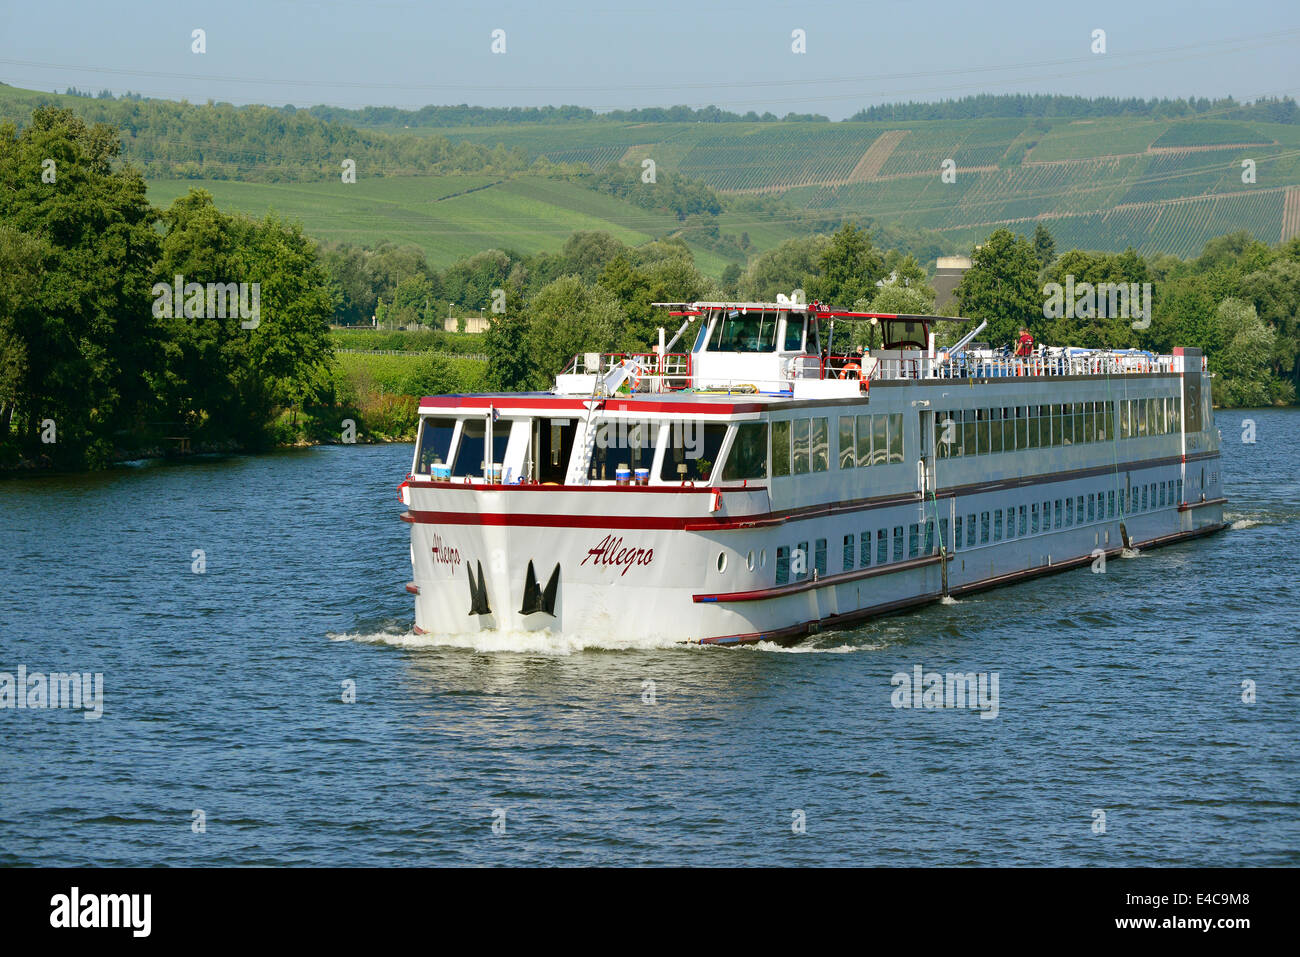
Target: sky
[{"x": 625, "y": 54}]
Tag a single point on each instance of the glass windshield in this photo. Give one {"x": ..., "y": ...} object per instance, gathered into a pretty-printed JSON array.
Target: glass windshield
[
  {"x": 470, "y": 459},
  {"x": 435, "y": 442},
  {"x": 736, "y": 331}
]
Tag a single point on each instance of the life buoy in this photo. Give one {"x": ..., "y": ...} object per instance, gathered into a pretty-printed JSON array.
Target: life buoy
[{"x": 851, "y": 367}]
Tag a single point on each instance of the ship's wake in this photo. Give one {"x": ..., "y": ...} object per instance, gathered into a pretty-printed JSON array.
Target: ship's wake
[{"x": 507, "y": 642}]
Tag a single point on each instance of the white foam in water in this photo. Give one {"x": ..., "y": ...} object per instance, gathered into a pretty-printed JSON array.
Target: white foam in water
[
  {"x": 525, "y": 642},
  {"x": 804, "y": 648},
  {"x": 948, "y": 600},
  {"x": 1130, "y": 553}
]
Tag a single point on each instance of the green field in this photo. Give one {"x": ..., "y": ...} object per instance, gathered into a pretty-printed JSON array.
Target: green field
[{"x": 449, "y": 217}]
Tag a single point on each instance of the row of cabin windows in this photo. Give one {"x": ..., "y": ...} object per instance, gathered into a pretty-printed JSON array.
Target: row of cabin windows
[
  {"x": 963, "y": 432},
  {"x": 870, "y": 440},
  {"x": 882, "y": 546},
  {"x": 1143, "y": 417},
  {"x": 861, "y": 550},
  {"x": 1020, "y": 520}
]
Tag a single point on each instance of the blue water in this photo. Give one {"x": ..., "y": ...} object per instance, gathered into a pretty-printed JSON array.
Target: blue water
[{"x": 1118, "y": 692}]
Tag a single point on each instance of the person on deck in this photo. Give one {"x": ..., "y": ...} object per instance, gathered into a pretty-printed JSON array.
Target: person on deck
[{"x": 1025, "y": 347}]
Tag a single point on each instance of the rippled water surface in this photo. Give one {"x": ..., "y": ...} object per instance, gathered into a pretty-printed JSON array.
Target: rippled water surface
[{"x": 1118, "y": 693}]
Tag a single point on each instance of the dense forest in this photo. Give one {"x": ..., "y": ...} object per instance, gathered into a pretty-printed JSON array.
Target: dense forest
[{"x": 1047, "y": 106}]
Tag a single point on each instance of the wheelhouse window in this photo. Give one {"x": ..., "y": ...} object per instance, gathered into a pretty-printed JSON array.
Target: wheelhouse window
[
  {"x": 435, "y": 444},
  {"x": 780, "y": 448},
  {"x": 622, "y": 442},
  {"x": 737, "y": 331},
  {"x": 793, "y": 334}
]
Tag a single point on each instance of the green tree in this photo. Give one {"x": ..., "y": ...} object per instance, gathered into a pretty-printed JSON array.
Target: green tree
[
  {"x": 848, "y": 268},
  {"x": 1044, "y": 245},
  {"x": 83, "y": 358},
  {"x": 568, "y": 317},
  {"x": 1002, "y": 286},
  {"x": 791, "y": 265}
]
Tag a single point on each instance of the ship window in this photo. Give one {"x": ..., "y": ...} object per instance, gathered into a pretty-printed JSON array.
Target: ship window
[
  {"x": 744, "y": 332},
  {"x": 864, "y": 553},
  {"x": 1144, "y": 498},
  {"x": 1078, "y": 510},
  {"x": 799, "y": 562},
  {"x": 1175, "y": 416},
  {"x": 1080, "y": 435},
  {"x": 1091, "y": 507},
  {"x": 1060, "y": 514},
  {"x": 801, "y": 431},
  {"x": 970, "y": 530},
  {"x": 864, "y": 440},
  {"x": 981, "y": 431},
  {"x": 780, "y": 448},
  {"x": 929, "y": 538},
  {"x": 1033, "y": 519},
  {"x": 896, "y": 437},
  {"x": 821, "y": 445},
  {"x": 748, "y": 456},
  {"x": 1110, "y": 504},
  {"x": 622, "y": 442},
  {"x": 882, "y": 547},
  {"x": 793, "y": 334},
  {"x": 1022, "y": 427},
  {"x": 944, "y": 542},
  {"x": 692, "y": 451},
  {"x": 1180, "y": 491},
  {"x": 848, "y": 552},
  {"x": 471, "y": 455},
  {"x": 847, "y": 442},
  {"x": 722, "y": 561},
  {"x": 1024, "y": 520},
  {"x": 782, "y": 564},
  {"x": 968, "y": 418},
  {"x": 1057, "y": 431},
  {"x": 898, "y": 543},
  {"x": 957, "y": 527},
  {"x": 1011, "y": 522},
  {"x": 879, "y": 439},
  {"x": 1089, "y": 422},
  {"x": 984, "y": 528},
  {"x": 1069, "y": 512},
  {"x": 913, "y": 540},
  {"x": 435, "y": 443},
  {"x": 1122, "y": 513},
  {"x": 997, "y": 525},
  {"x": 1031, "y": 431},
  {"x": 1141, "y": 418},
  {"x": 996, "y": 430},
  {"x": 749, "y": 561},
  {"x": 951, "y": 435},
  {"x": 819, "y": 553},
  {"x": 702, "y": 336}
]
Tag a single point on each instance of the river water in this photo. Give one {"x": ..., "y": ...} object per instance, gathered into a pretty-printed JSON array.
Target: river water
[{"x": 1121, "y": 737}]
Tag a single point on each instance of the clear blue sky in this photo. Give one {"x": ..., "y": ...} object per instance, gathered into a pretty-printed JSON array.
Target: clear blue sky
[{"x": 623, "y": 54}]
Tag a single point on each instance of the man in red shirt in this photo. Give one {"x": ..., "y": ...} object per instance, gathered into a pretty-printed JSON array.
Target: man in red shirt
[{"x": 1025, "y": 347}]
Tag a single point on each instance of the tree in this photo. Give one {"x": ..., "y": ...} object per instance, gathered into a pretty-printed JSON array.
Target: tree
[
  {"x": 81, "y": 341},
  {"x": 791, "y": 265},
  {"x": 568, "y": 317},
  {"x": 1244, "y": 364},
  {"x": 1002, "y": 286},
  {"x": 1044, "y": 245},
  {"x": 848, "y": 268}
]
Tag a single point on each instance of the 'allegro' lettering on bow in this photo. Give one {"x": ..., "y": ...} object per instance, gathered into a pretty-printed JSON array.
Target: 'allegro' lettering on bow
[{"x": 610, "y": 552}]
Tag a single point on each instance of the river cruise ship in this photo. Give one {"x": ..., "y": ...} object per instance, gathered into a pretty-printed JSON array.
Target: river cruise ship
[{"x": 763, "y": 480}]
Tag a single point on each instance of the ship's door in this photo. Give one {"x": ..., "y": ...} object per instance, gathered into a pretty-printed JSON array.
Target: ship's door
[{"x": 925, "y": 463}]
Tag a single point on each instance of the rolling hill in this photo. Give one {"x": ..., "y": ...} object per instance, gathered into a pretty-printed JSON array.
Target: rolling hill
[{"x": 1162, "y": 185}]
